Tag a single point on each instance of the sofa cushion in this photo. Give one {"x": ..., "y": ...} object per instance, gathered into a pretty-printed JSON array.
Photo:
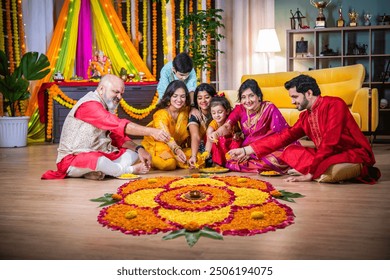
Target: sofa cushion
[
  {"x": 272, "y": 87},
  {"x": 343, "y": 82}
]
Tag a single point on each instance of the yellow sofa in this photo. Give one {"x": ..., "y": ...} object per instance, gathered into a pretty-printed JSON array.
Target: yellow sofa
[{"x": 344, "y": 82}]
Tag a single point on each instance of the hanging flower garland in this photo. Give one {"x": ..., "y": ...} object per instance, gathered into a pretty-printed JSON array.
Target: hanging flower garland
[
  {"x": 139, "y": 114},
  {"x": 154, "y": 38},
  {"x": 15, "y": 33},
  {"x": 128, "y": 17},
  {"x": 136, "y": 22},
  {"x": 145, "y": 31},
  {"x": 55, "y": 93},
  {"x": 173, "y": 8},
  {"x": 1, "y": 28},
  {"x": 22, "y": 39},
  {"x": 119, "y": 10},
  {"x": 181, "y": 29},
  {"x": 164, "y": 30},
  {"x": 208, "y": 74},
  {"x": 9, "y": 34}
]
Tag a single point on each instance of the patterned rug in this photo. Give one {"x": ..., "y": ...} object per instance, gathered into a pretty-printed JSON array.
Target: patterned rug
[{"x": 225, "y": 205}]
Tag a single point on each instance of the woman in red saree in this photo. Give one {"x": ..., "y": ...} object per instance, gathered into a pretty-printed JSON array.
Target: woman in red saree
[{"x": 257, "y": 119}]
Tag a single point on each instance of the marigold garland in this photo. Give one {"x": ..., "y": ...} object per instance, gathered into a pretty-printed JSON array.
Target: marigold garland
[
  {"x": 139, "y": 114},
  {"x": 181, "y": 29},
  {"x": 56, "y": 94},
  {"x": 173, "y": 8},
  {"x": 145, "y": 31},
  {"x": 164, "y": 30},
  {"x": 1, "y": 28},
  {"x": 9, "y": 35},
  {"x": 154, "y": 38},
  {"x": 128, "y": 17},
  {"x": 229, "y": 206},
  {"x": 22, "y": 38},
  {"x": 15, "y": 38}
]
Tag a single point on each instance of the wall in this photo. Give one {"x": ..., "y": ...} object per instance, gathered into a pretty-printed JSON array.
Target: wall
[{"x": 282, "y": 17}]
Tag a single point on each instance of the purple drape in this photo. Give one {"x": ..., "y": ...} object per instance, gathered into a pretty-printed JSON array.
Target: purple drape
[{"x": 84, "y": 39}]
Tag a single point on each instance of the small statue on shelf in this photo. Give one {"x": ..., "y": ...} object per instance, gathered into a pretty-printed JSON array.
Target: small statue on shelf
[
  {"x": 328, "y": 52},
  {"x": 352, "y": 18},
  {"x": 367, "y": 19},
  {"x": 99, "y": 66},
  {"x": 340, "y": 21}
]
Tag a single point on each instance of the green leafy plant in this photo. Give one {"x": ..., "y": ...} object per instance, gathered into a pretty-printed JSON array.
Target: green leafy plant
[
  {"x": 15, "y": 86},
  {"x": 106, "y": 199},
  {"x": 205, "y": 25},
  {"x": 289, "y": 196},
  {"x": 193, "y": 236}
]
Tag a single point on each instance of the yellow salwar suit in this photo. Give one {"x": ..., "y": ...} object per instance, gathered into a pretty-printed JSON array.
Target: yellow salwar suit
[{"x": 163, "y": 157}]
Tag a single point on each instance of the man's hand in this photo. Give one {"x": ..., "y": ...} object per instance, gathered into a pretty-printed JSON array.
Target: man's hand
[
  {"x": 145, "y": 157},
  {"x": 160, "y": 135},
  {"x": 303, "y": 178}
]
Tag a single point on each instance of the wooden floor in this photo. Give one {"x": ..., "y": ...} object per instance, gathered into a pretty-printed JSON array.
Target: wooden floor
[{"x": 54, "y": 219}]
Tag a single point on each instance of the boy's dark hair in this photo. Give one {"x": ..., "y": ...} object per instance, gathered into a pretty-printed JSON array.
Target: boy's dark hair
[
  {"x": 203, "y": 87},
  {"x": 303, "y": 83},
  {"x": 182, "y": 63},
  {"x": 172, "y": 87},
  {"x": 253, "y": 85}
]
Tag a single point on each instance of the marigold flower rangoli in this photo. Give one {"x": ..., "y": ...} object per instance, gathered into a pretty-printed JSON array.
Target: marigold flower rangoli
[{"x": 230, "y": 205}]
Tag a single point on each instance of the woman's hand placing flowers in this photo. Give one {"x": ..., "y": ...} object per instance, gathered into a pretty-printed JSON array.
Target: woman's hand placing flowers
[{"x": 241, "y": 154}]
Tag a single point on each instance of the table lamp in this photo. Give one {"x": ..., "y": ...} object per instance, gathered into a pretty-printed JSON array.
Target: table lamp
[{"x": 267, "y": 42}]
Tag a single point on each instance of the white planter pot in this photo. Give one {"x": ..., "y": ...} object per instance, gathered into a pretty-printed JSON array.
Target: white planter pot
[{"x": 13, "y": 131}]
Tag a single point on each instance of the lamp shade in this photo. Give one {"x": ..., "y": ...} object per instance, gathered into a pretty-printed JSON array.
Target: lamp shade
[{"x": 267, "y": 41}]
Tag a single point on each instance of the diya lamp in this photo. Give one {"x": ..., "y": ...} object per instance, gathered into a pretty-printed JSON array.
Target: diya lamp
[
  {"x": 130, "y": 77},
  {"x": 195, "y": 194},
  {"x": 141, "y": 76}
]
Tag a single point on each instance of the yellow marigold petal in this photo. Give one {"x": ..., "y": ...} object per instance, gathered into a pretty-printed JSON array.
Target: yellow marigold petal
[
  {"x": 116, "y": 196},
  {"x": 131, "y": 214},
  {"x": 276, "y": 193},
  {"x": 242, "y": 180},
  {"x": 257, "y": 215},
  {"x": 152, "y": 180}
]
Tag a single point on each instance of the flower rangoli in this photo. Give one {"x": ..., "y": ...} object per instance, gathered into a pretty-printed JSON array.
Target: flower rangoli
[{"x": 229, "y": 205}]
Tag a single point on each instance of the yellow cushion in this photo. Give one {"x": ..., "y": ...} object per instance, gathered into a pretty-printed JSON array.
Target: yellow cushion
[
  {"x": 343, "y": 82},
  {"x": 272, "y": 87},
  {"x": 340, "y": 172}
]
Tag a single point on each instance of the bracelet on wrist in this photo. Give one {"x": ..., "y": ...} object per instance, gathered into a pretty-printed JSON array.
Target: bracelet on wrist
[
  {"x": 139, "y": 147},
  {"x": 244, "y": 150}
]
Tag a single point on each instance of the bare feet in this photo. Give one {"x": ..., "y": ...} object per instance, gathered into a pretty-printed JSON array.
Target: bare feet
[
  {"x": 140, "y": 168},
  {"x": 303, "y": 178},
  {"x": 94, "y": 175}
]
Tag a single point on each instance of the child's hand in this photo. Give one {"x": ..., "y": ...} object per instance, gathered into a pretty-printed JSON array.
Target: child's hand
[
  {"x": 192, "y": 162},
  {"x": 214, "y": 137}
]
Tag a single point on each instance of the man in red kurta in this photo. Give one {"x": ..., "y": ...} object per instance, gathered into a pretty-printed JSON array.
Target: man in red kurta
[
  {"x": 333, "y": 130},
  {"x": 94, "y": 141}
]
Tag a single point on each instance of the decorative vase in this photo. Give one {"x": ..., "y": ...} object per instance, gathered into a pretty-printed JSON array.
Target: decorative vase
[{"x": 13, "y": 131}]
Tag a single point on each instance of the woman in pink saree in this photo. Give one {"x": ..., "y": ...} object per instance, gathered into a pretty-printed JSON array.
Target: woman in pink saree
[{"x": 257, "y": 119}]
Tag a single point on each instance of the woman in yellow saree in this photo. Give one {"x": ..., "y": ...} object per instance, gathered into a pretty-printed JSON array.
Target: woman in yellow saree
[{"x": 171, "y": 116}]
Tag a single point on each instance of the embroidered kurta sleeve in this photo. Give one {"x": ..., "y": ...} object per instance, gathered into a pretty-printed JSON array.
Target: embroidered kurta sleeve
[
  {"x": 269, "y": 144},
  {"x": 94, "y": 113}
]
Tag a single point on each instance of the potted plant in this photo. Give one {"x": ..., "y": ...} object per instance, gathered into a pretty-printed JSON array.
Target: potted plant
[
  {"x": 204, "y": 25},
  {"x": 15, "y": 88}
]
